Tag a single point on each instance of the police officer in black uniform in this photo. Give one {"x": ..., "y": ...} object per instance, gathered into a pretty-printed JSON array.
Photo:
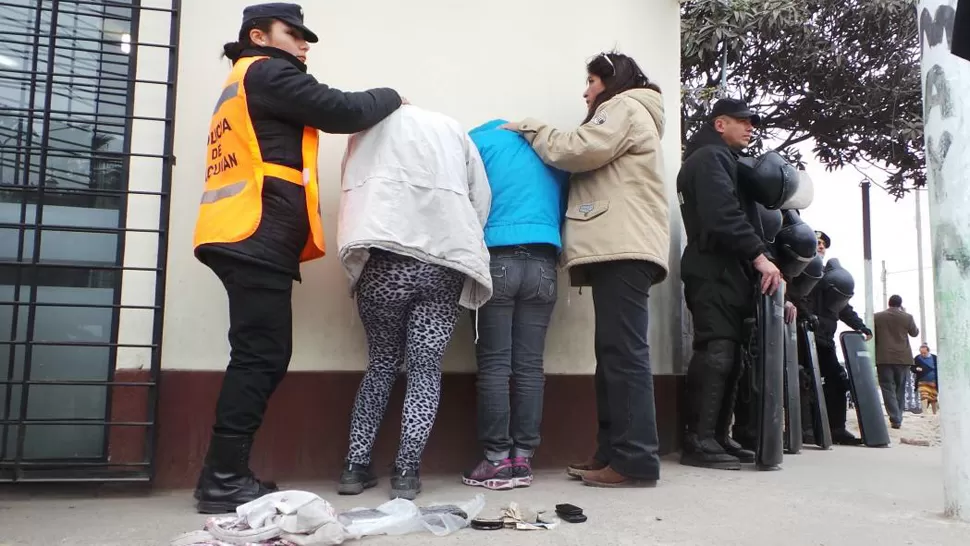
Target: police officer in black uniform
[
  {"x": 724, "y": 258},
  {"x": 824, "y": 321}
]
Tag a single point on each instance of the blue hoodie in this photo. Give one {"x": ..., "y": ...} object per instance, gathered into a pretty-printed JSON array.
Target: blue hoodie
[{"x": 528, "y": 197}]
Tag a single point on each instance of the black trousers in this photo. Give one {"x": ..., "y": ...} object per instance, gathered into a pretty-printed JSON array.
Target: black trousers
[
  {"x": 719, "y": 303},
  {"x": 260, "y": 338},
  {"x": 627, "y": 438},
  {"x": 720, "y": 297}
]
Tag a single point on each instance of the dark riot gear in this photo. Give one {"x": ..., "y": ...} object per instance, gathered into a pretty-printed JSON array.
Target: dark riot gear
[
  {"x": 794, "y": 246},
  {"x": 802, "y": 285},
  {"x": 838, "y": 287},
  {"x": 771, "y": 222},
  {"x": 775, "y": 183}
]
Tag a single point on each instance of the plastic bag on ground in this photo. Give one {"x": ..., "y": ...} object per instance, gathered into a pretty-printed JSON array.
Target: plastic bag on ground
[
  {"x": 402, "y": 517},
  {"x": 299, "y": 518},
  {"x": 284, "y": 518}
]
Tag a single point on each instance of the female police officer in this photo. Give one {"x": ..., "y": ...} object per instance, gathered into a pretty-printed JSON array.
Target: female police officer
[{"x": 260, "y": 218}]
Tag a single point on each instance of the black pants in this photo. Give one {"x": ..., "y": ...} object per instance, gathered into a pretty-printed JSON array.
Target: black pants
[
  {"x": 260, "y": 338},
  {"x": 627, "y": 437},
  {"x": 836, "y": 385},
  {"x": 719, "y": 303}
]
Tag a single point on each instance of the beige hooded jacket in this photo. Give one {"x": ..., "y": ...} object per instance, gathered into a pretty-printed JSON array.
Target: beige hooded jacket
[{"x": 618, "y": 208}]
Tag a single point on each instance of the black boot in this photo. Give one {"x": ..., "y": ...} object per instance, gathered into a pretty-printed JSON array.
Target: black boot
[
  {"x": 226, "y": 481},
  {"x": 843, "y": 437},
  {"x": 405, "y": 484},
  {"x": 355, "y": 479},
  {"x": 730, "y": 446},
  {"x": 707, "y": 378}
]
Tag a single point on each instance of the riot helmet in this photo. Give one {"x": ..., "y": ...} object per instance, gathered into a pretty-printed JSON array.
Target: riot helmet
[
  {"x": 771, "y": 222},
  {"x": 839, "y": 287},
  {"x": 775, "y": 183},
  {"x": 795, "y": 245},
  {"x": 801, "y": 286}
]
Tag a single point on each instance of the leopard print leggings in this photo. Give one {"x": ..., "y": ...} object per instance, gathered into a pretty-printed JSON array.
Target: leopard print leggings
[{"x": 409, "y": 310}]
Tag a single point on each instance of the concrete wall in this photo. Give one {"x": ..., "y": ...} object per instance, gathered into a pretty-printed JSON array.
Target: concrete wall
[
  {"x": 145, "y": 175},
  {"x": 442, "y": 55}
]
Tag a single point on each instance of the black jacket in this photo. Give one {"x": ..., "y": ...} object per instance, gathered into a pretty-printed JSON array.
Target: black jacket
[
  {"x": 283, "y": 99},
  {"x": 717, "y": 217},
  {"x": 828, "y": 322}
]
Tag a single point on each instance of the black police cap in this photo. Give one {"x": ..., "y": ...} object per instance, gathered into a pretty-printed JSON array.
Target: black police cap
[
  {"x": 291, "y": 14},
  {"x": 824, "y": 238},
  {"x": 735, "y": 108}
]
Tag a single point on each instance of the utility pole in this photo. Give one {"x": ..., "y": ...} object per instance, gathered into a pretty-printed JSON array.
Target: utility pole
[
  {"x": 885, "y": 290},
  {"x": 867, "y": 252},
  {"x": 919, "y": 261},
  {"x": 946, "y": 104},
  {"x": 723, "y": 89}
]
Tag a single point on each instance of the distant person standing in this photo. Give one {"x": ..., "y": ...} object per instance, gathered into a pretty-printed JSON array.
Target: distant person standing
[
  {"x": 925, "y": 369},
  {"x": 892, "y": 356}
]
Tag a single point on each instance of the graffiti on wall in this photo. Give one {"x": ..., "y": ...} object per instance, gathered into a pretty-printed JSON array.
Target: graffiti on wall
[{"x": 936, "y": 32}]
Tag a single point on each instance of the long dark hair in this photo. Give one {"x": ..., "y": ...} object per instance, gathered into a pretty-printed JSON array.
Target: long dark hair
[
  {"x": 234, "y": 50},
  {"x": 619, "y": 73}
]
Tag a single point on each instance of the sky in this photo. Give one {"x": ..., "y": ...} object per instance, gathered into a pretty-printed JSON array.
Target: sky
[{"x": 837, "y": 210}]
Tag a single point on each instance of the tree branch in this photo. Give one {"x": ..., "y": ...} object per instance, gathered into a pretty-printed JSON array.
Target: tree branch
[{"x": 793, "y": 141}]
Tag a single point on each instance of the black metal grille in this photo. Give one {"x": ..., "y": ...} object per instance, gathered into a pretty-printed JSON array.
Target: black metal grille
[{"x": 87, "y": 105}]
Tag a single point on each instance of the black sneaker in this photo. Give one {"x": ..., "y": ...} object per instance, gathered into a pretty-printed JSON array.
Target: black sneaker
[
  {"x": 355, "y": 479},
  {"x": 405, "y": 484}
]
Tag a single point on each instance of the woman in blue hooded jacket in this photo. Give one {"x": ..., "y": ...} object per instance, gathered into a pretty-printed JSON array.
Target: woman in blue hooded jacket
[{"x": 523, "y": 239}]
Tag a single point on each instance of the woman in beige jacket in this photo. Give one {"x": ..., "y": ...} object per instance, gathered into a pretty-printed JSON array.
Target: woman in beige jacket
[{"x": 616, "y": 240}]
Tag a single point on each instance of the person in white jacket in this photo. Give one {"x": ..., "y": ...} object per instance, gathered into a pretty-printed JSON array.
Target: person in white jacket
[{"x": 411, "y": 240}]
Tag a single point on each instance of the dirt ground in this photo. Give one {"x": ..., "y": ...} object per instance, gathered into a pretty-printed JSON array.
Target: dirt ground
[{"x": 918, "y": 429}]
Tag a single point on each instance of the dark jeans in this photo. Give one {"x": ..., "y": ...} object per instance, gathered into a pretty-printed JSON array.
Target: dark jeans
[
  {"x": 836, "y": 385},
  {"x": 260, "y": 338},
  {"x": 627, "y": 416},
  {"x": 512, "y": 338},
  {"x": 892, "y": 381}
]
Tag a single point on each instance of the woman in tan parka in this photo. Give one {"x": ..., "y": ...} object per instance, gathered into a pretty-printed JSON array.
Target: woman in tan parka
[{"x": 616, "y": 240}]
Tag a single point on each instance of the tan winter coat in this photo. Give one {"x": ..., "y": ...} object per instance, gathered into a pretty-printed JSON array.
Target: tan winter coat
[{"x": 617, "y": 197}]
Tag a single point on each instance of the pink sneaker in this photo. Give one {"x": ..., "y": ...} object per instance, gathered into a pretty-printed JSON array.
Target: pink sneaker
[
  {"x": 521, "y": 472},
  {"x": 494, "y": 475}
]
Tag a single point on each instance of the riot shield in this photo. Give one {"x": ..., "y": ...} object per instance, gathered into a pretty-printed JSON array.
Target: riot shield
[
  {"x": 769, "y": 370},
  {"x": 808, "y": 355},
  {"x": 793, "y": 399},
  {"x": 864, "y": 389}
]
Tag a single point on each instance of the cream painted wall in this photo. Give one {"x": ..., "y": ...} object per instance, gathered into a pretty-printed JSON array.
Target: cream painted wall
[
  {"x": 443, "y": 57},
  {"x": 135, "y": 326}
]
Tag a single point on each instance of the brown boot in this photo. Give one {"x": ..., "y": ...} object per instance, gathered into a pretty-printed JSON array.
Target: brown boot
[
  {"x": 578, "y": 470},
  {"x": 608, "y": 477}
]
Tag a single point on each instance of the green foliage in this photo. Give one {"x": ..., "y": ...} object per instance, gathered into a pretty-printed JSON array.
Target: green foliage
[{"x": 841, "y": 74}]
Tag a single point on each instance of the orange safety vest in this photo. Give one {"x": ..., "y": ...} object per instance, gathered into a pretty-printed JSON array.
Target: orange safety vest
[{"x": 232, "y": 203}]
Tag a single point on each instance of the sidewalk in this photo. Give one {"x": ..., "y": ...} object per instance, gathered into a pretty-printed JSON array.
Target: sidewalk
[{"x": 844, "y": 496}]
